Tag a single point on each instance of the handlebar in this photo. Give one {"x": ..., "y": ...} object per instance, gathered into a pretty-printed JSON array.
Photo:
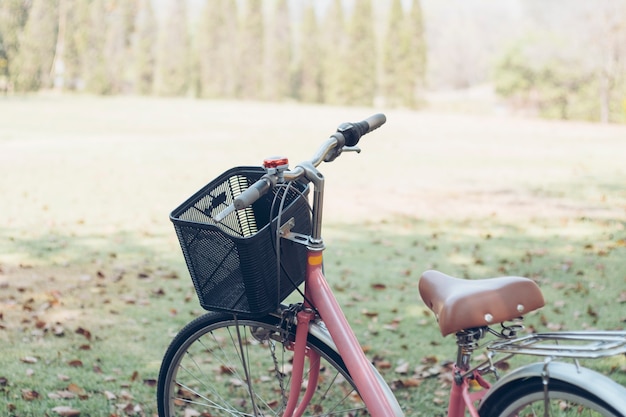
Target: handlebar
[
  {"x": 352, "y": 132},
  {"x": 346, "y": 137}
]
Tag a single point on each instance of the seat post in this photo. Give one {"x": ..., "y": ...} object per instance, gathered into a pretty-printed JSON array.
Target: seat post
[{"x": 467, "y": 343}]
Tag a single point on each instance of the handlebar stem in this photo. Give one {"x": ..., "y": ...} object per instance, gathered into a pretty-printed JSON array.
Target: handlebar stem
[
  {"x": 314, "y": 176},
  {"x": 329, "y": 149}
]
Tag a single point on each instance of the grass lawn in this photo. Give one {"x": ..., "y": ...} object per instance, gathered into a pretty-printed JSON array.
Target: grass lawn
[{"x": 93, "y": 284}]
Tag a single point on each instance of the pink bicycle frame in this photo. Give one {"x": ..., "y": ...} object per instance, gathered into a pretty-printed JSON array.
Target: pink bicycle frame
[
  {"x": 379, "y": 401},
  {"x": 461, "y": 398},
  {"x": 319, "y": 293}
]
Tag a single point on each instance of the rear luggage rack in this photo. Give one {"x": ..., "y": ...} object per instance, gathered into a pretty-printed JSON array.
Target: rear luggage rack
[{"x": 579, "y": 345}]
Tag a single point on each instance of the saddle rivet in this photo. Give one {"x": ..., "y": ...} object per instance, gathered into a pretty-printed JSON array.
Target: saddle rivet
[
  {"x": 520, "y": 308},
  {"x": 488, "y": 318}
]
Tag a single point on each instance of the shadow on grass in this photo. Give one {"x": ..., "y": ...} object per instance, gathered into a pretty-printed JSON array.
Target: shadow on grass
[{"x": 55, "y": 248}]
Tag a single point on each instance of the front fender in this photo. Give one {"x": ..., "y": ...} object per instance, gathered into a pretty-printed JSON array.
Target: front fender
[{"x": 595, "y": 383}]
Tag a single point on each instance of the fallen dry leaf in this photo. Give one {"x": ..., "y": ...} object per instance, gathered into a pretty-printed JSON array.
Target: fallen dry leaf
[
  {"x": 84, "y": 332},
  {"x": 402, "y": 369},
  {"x": 150, "y": 382},
  {"x": 110, "y": 396},
  {"x": 381, "y": 363},
  {"x": 190, "y": 412},
  {"x": 79, "y": 391},
  {"x": 66, "y": 411},
  {"x": 369, "y": 314},
  {"x": 431, "y": 359},
  {"x": 75, "y": 363},
  {"x": 405, "y": 383},
  {"x": 29, "y": 395},
  {"x": 61, "y": 395},
  {"x": 226, "y": 370}
]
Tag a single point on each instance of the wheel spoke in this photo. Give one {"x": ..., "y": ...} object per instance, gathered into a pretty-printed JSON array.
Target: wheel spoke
[{"x": 241, "y": 368}]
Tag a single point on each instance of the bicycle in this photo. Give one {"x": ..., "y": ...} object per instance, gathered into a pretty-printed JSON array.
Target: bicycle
[{"x": 251, "y": 237}]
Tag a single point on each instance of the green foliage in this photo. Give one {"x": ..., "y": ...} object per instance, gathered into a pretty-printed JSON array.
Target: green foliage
[
  {"x": 122, "y": 16},
  {"x": 250, "y": 60},
  {"x": 393, "y": 55},
  {"x": 173, "y": 55},
  {"x": 361, "y": 56},
  {"x": 417, "y": 56},
  {"x": 144, "y": 51},
  {"x": 537, "y": 73},
  {"x": 310, "y": 75},
  {"x": 235, "y": 50},
  {"x": 404, "y": 58},
  {"x": 217, "y": 33},
  {"x": 13, "y": 16},
  {"x": 278, "y": 58},
  {"x": 33, "y": 62},
  {"x": 76, "y": 42},
  {"x": 335, "y": 67}
]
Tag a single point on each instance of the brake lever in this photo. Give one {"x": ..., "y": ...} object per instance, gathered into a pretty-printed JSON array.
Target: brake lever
[
  {"x": 335, "y": 154},
  {"x": 351, "y": 149}
]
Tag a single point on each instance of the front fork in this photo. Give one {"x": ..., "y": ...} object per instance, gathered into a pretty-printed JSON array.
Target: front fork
[{"x": 300, "y": 352}]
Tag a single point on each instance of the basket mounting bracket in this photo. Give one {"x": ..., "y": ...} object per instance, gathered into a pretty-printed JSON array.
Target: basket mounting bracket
[{"x": 285, "y": 232}]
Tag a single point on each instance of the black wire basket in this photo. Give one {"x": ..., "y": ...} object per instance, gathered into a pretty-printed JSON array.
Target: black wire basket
[{"x": 234, "y": 264}]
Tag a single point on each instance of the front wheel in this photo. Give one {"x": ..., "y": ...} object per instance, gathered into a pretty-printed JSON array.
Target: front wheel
[
  {"x": 526, "y": 398},
  {"x": 219, "y": 365}
]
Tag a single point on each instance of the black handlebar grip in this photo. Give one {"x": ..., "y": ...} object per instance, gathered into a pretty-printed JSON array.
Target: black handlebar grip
[
  {"x": 352, "y": 132},
  {"x": 253, "y": 193},
  {"x": 375, "y": 121}
]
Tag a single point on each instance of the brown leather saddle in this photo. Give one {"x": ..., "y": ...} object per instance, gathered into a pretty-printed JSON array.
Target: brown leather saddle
[{"x": 461, "y": 304}]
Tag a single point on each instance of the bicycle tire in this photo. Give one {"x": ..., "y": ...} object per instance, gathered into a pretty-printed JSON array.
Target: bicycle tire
[
  {"x": 526, "y": 398},
  {"x": 203, "y": 373}
]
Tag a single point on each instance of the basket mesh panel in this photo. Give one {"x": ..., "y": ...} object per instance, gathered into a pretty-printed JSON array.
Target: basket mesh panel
[{"x": 233, "y": 264}]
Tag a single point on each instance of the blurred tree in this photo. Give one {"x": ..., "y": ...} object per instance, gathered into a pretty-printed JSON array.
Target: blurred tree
[
  {"x": 607, "y": 47},
  {"x": 94, "y": 68},
  {"x": 309, "y": 77},
  {"x": 417, "y": 57},
  {"x": 218, "y": 42},
  {"x": 13, "y": 16},
  {"x": 278, "y": 56},
  {"x": 396, "y": 51},
  {"x": 33, "y": 62},
  {"x": 545, "y": 70},
  {"x": 250, "y": 60},
  {"x": 336, "y": 70},
  {"x": 144, "y": 52},
  {"x": 76, "y": 42},
  {"x": 173, "y": 55},
  {"x": 547, "y": 79},
  {"x": 361, "y": 56},
  {"x": 121, "y": 16},
  {"x": 58, "y": 65},
  {"x": 4, "y": 65}
]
